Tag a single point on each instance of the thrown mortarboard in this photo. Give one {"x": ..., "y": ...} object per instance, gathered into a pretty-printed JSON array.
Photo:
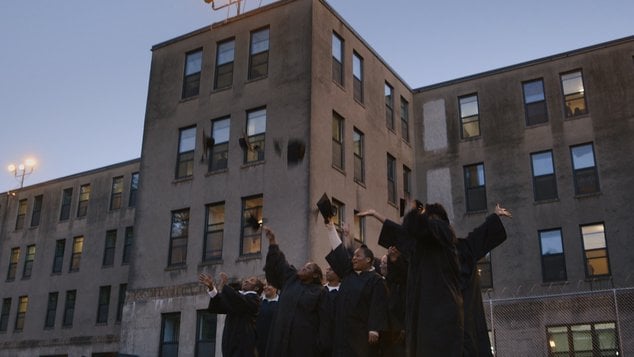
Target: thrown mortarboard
[
  {"x": 295, "y": 151},
  {"x": 325, "y": 207},
  {"x": 390, "y": 233},
  {"x": 253, "y": 222}
]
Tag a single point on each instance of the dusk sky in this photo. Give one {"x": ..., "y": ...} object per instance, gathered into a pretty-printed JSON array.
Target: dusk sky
[{"x": 74, "y": 73}]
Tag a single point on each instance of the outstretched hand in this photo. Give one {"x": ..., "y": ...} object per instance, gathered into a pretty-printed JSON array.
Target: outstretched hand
[
  {"x": 269, "y": 235},
  {"x": 502, "y": 212},
  {"x": 206, "y": 280},
  {"x": 372, "y": 213}
]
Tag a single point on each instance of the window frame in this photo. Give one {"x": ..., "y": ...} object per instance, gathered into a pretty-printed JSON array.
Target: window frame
[
  {"x": 205, "y": 319},
  {"x": 20, "y": 315},
  {"x": 75, "y": 259},
  {"x": 36, "y": 211},
  {"x": 20, "y": 219},
  {"x": 585, "y": 172},
  {"x": 226, "y": 68},
  {"x": 184, "y": 155},
  {"x": 391, "y": 180},
  {"x": 5, "y": 314},
  {"x": 338, "y": 141},
  {"x": 134, "y": 189},
  {"x": 84, "y": 197},
  {"x": 569, "y": 112},
  {"x": 357, "y": 80},
  {"x": 51, "y": 310},
  {"x": 358, "y": 144},
  {"x": 548, "y": 264},
  {"x": 255, "y": 151},
  {"x": 127, "y": 245},
  {"x": 468, "y": 119},
  {"x": 219, "y": 149},
  {"x": 531, "y": 117},
  {"x": 473, "y": 190},
  {"x": 116, "y": 193},
  {"x": 571, "y": 351},
  {"x": 388, "y": 93},
  {"x": 175, "y": 317},
  {"x": 109, "y": 249},
  {"x": 255, "y": 56},
  {"x": 191, "y": 80},
  {"x": 540, "y": 180},
  {"x": 251, "y": 206},
  {"x": 338, "y": 72},
  {"x": 14, "y": 260},
  {"x": 103, "y": 305},
  {"x": 29, "y": 260},
  {"x": 212, "y": 231},
  {"x": 69, "y": 308},
  {"x": 405, "y": 120},
  {"x": 65, "y": 204},
  {"x": 182, "y": 239},
  {"x": 587, "y": 266},
  {"x": 58, "y": 259}
]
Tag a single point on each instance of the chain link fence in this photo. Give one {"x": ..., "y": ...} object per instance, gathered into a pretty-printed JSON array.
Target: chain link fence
[{"x": 559, "y": 323}]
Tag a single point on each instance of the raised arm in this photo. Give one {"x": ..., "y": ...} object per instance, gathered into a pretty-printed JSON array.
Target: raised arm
[{"x": 276, "y": 268}]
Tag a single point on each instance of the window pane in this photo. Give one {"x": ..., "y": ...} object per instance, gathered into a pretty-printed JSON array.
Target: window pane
[
  {"x": 475, "y": 175},
  {"x": 225, "y": 52},
  {"x": 357, "y": 66},
  {"x": 468, "y": 106},
  {"x": 256, "y": 122},
  {"x": 551, "y": 242},
  {"x": 572, "y": 83},
  {"x": 582, "y": 156},
  {"x": 260, "y": 41},
  {"x": 187, "y": 140},
  {"x": 593, "y": 236},
  {"x": 220, "y": 130},
  {"x": 336, "y": 47},
  {"x": 194, "y": 62},
  {"x": 533, "y": 91},
  {"x": 543, "y": 163}
]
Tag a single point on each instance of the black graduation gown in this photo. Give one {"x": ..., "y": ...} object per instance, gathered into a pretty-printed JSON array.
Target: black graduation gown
[
  {"x": 239, "y": 333},
  {"x": 300, "y": 327},
  {"x": 266, "y": 315},
  {"x": 434, "y": 323},
  {"x": 392, "y": 343},
  {"x": 471, "y": 249},
  {"x": 359, "y": 307}
]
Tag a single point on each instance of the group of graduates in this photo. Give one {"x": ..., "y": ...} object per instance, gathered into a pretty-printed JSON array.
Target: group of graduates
[{"x": 422, "y": 298}]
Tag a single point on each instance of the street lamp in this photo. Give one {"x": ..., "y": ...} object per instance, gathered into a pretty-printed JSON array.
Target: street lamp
[{"x": 23, "y": 169}]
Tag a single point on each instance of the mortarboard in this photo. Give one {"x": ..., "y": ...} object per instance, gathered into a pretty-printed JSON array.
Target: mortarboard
[{"x": 325, "y": 207}]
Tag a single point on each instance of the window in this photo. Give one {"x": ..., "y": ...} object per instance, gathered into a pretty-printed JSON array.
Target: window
[
  {"x": 19, "y": 221},
  {"x": 13, "y": 263},
  {"x": 103, "y": 304},
  {"x": 127, "y": 245},
  {"x": 256, "y": 129},
  {"x": 4, "y": 315},
  {"x": 51, "y": 310},
  {"x": 337, "y": 141},
  {"x": 205, "y": 334},
  {"x": 359, "y": 228},
  {"x": 214, "y": 232},
  {"x": 224, "y": 64},
  {"x": 391, "y": 179},
  {"x": 535, "y": 102},
  {"x": 475, "y": 188},
  {"x": 404, "y": 119},
  {"x": 121, "y": 300},
  {"x": 20, "y": 316},
  {"x": 84, "y": 196},
  {"x": 357, "y": 77},
  {"x": 407, "y": 182},
  {"x": 469, "y": 116},
  {"x": 544, "y": 179},
  {"x": 337, "y": 59},
  {"x": 553, "y": 260},
  {"x": 170, "y": 329},
  {"x": 116, "y": 194},
  {"x": 67, "y": 196},
  {"x": 485, "y": 272},
  {"x": 259, "y": 54},
  {"x": 339, "y": 213},
  {"x": 574, "y": 94},
  {"x": 58, "y": 258},
  {"x": 388, "y": 91},
  {"x": 28, "y": 261},
  {"x": 37, "y": 211},
  {"x": 359, "y": 162},
  {"x": 134, "y": 189},
  {"x": 178, "y": 237},
  {"x": 186, "y": 146},
  {"x": 595, "y": 250},
  {"x": 109, "y": 248},
  {"x": 75, "y": 258},
  {"x": 584, "y": 169},
  {"x": 594, "y": 339},
  {"x": 69, "y": 308},
  {"x": 191, "y": 80},
  {"x": 220, "y": 148},
  {"x": 250, "y": 242}
]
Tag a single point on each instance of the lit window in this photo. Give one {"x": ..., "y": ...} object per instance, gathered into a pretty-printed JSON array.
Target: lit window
[
  {"x": 75, "y": 259},
  {"x": 116, "y": 193},
  {"x": 469, "y": 116},
  {"x": 574, "y": 94},
  {"x": 595, "y": 250},
  {"x": 256, "y": 130},
  {"x": 596, "y": 339},
  {"x": 250, "y": 242},
  {"x": 84, "y": 197},
  {"x": 214, "y": 232}
]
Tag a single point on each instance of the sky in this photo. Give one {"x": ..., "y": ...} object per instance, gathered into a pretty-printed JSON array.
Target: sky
[{"x": 74, "y": 73}]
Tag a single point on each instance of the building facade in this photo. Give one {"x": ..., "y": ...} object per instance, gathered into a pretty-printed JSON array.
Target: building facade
[
  {"x": 256, "y": 117},
  {"x": 65, "y": 253}
]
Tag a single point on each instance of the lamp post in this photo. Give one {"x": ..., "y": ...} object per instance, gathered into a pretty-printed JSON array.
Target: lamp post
[{"x": 22, "y": 169}]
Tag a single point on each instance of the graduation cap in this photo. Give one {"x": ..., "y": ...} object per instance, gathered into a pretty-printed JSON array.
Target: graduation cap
[
  {"x": 253, "y": 222},
  {"x": 295, "y": 151},
  {"x": 325, "y": 207}
]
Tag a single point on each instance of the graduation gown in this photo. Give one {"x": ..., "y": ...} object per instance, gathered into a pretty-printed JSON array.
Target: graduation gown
[
  {"x": 359, "y": 307},
  {"x": 239, "y": 333},
  {"x": 392, "y": 343},
  {"x": 301, "y": 326},
  {"x": 268, "y": 310},
  {"x": 434, "y": 323},
  {"x": 471, "y": 249}
]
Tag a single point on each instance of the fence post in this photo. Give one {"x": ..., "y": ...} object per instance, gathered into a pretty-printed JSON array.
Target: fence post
[{"x": 618, "y": 320}]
